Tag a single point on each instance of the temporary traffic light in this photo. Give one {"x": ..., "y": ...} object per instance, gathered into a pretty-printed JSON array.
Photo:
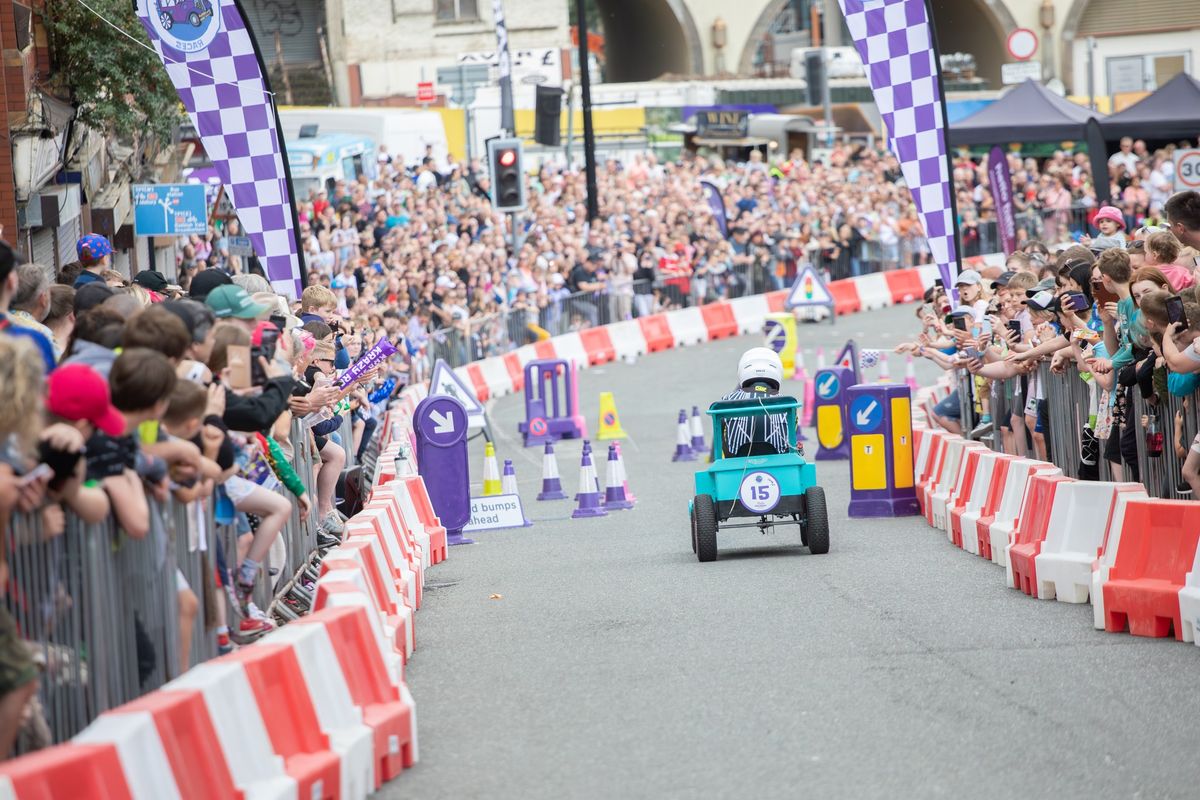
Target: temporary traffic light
[{"x": 508, "y": 178}]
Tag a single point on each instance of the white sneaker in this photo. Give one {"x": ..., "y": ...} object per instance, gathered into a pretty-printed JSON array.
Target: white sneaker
[
  {"x": 254, "y": 612},
  {"x": 332, "y": 522}
]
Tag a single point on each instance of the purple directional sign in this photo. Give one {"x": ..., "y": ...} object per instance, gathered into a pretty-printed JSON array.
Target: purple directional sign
[{"x": 441, "y": 427}]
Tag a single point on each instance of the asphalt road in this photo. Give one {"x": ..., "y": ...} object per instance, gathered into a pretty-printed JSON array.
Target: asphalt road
[{"x": 597, "y": 659}]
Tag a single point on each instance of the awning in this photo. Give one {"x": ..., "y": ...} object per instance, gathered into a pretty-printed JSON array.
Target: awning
[{"x": 745, "y": 141}]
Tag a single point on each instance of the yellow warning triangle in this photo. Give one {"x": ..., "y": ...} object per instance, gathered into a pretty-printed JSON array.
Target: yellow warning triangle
[{"x": 610, "y": 422}]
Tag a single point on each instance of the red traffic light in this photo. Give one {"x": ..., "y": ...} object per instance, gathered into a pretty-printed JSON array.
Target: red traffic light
[{"x": 507, "y": 158}]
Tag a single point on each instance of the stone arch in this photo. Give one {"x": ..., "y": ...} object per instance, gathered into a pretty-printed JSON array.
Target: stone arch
[
  {"x": 958, "y": 30},
  {"x": 745, "y": 64},
  {"x": 644, "y": 39}
]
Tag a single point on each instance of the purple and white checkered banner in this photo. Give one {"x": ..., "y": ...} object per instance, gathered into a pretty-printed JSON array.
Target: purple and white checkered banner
[
  {"x": 209, "y": 53},
  {"x": 895, "y": 41}
]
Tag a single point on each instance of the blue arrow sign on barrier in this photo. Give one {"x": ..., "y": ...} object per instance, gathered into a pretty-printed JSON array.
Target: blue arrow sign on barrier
[
  {"x": 828, "y": 386},
  {"x": 866, "y": 413}
]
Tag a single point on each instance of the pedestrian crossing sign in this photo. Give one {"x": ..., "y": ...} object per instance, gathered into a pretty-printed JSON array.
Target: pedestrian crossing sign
[{"x": 809, "y": 290}]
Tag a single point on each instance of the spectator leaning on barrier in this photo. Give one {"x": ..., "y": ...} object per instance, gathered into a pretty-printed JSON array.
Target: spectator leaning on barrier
[{"x": 9, "y": 285}]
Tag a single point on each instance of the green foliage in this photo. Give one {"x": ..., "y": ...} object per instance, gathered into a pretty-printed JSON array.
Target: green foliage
[{"x": 117, "y": 84}]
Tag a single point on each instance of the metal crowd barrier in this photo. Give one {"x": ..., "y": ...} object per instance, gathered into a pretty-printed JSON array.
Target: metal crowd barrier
[
  {"x": 1073, "y": 405},
  {"x": 99, "y": 611}
]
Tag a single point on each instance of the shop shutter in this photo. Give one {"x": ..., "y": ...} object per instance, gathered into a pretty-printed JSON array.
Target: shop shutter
[{"x": 296, "y": 21}]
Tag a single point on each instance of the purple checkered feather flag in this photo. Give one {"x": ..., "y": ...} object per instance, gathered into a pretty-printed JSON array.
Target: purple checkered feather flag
[
  {"x": 894, "y": 39},
  {"x": 210, "y": 54}
]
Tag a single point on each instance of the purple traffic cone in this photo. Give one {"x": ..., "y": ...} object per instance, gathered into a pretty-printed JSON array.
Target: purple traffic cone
[
  {"x": 697, "y": 431},
  {"x": 624, "y": 475},
  {"x": 508, "y": 485},
  {"x": 614, "y": 492},
  {"x": 551, "y": 483},
  {"x": 910, "y": 375},
  {"x": 683, "y": 448},
  {"x": 589, "y": 501},
  {"x": 587, "y": 451}
]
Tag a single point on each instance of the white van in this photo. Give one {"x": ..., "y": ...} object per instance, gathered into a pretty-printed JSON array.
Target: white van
[{"x": 404, "y": 132}]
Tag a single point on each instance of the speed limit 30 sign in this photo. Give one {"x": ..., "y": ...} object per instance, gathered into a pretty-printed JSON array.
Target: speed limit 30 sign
[{"x": 1187, "y": 170}]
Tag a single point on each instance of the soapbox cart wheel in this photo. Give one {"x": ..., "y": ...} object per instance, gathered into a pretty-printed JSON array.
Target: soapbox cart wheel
[
  {"x": 816, "y": 524},
  {"x": 705, "y": 516}
]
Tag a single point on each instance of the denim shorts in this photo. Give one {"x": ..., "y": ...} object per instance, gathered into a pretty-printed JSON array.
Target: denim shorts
[{"x": 949, "y": 407}]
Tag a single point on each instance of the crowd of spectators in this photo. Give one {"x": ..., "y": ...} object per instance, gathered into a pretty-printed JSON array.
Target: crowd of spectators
[
  {"x": 123, "y": 396},
  {"x": 420, "y": 239},
  {"x": 121, "y": 393},
  {"x": 1121, "y": 310}
]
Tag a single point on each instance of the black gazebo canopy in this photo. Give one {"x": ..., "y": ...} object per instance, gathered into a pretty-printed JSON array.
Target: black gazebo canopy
[
  {"x": 1028, "y": 113},
  {"x": 1171, "y": 112}
]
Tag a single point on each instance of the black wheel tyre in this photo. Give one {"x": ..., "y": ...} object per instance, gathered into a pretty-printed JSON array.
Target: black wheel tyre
[
  {"x": 194, "y": 18},
  {"x": 692, "y": 517},
  {"x": 817, "y": 525},
  {"x": 706, "y": 527}
]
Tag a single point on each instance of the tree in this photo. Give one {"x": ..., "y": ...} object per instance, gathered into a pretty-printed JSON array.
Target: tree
[{"x": 117, "y": 85}]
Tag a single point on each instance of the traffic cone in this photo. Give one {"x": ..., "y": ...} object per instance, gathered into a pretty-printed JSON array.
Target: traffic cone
[
  {"x": 624, "y": 475},
  {"x": 809, "y": 399},
  {"x": 589, "y": 500},
  {"x": 885, "y": 372},
  {"x": 801, "y": 373},
  {"x": 820, "y": 358},
  {"x": 697, "y": 445},
  {"x": 610, "y": 422},
  {"x": 551, "y": 484},
  {"x": 491, "y": 471},
  {"x": 509, "y": 484},
  {"x": 910, "y": 374},
  {"x": 614, "y": 491},
  {"x": 683, "y": 451}
]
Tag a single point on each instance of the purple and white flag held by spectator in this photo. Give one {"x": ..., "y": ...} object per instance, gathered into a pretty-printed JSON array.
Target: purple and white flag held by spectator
[
  {"x": 894, "y": 39},
  {"x": 212, "y": 59},
  {"x": 1000, "y": 181}
]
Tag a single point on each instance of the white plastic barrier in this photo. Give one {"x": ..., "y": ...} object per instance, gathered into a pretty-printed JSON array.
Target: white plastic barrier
[
  {"x": 687, "y": 325},
  {"x": 627, "y": 339},
  {"x": 495, "y": 374},
  {"x": 1108, "y": 556},
  {"x": 966, "y": 475},
  {"x": 1009, "y": 511},
  {"x": 140, "y": 751},
  {"x": 337, "y": 715},
  {"x": 239, "y": 726},
  {"x": 1189, "y": 602},
  {"x": 937, "y": 471},
  {"x": 358, "y": 580},
  {"x": 569, "y": 347},
  {"x": 750, "y": 312},
  {"x": 393, "y": 598},
  {"x": 1074, "y": 534},
  {"x": 873, "y": 291},
  {"x": 358, "y": 599},
  {"x": 952, "y": 466},
  {"x": 981, "y": 485},
  {"x": 923, "y": 451}
]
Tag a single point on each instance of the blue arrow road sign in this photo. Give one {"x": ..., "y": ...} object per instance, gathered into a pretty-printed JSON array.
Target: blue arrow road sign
[
  {"x": 866, "y": 413},
  {"x": 828, "y": 385}
]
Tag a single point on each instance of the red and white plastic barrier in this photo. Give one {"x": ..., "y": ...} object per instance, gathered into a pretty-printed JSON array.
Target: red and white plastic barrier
[{"x": 316, "y": 709}]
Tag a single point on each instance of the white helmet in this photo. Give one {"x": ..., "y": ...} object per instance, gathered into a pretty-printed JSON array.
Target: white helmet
[{"x": 760, "y": 364}]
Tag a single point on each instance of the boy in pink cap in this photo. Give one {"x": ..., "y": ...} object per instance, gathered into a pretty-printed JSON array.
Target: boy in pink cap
[{"x": 1110, "y": 221}]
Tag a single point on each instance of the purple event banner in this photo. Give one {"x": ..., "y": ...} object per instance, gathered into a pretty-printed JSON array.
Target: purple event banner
[
  {"x": 211, "y": 57},
  {"x": 716, "y": 204},
  {"x": 895, "y": 41},
  {"x": 1002, "y": 199}
]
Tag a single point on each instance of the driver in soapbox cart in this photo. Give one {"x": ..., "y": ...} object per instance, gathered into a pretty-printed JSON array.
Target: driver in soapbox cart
[{"x": 758, "y": 473}]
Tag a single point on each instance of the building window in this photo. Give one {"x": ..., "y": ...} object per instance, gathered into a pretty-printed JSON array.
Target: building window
[
  {"x": 457, "y": 10},
  {"x": 1144, "y": 73}
]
